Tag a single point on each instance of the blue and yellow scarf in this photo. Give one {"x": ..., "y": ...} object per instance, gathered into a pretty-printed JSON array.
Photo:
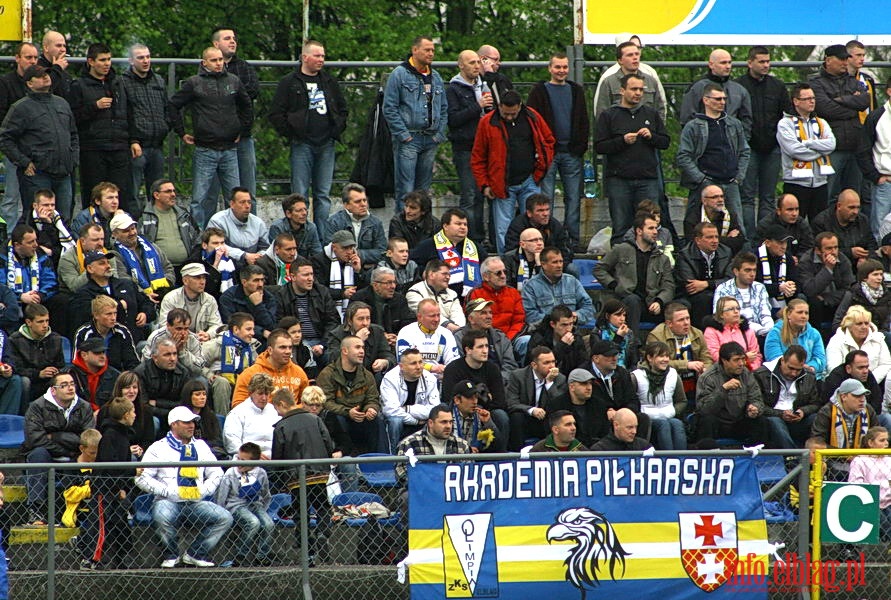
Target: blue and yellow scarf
[
  {"x": 187, "y": 477},
  {"x": 155, "y": 278}
]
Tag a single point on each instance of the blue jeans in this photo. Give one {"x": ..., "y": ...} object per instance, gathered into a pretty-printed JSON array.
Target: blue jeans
[
  {"x": 504, "y": 209},
  {"x": 471, "y": 197},
  {"x": 61, "y": 187},
  {"x": 247, "y": 165},
  {"x": 11, "y": 400},
  {"x": 413, "y": 165},
  {"x": 36, "y": 482},
  {"x": 213, "y": 519},
  {"x": 760, "y": 182},
  {"x": 397, "y": 430},
  {"x": 11, "y": 205},
  {"x": 881, "y": 205},
  {"x": 789, "y": 435},
  {"x": 370, "y": 435},
  {"x": 521, "y": 345},
  {"x": 668, "y": 434},
  {"x": 624, "y": 195},
  {"x": 570, "y": 168},
  {"x": 847, "y": 174},
  {"x": 313, "y": 167},
  {"x": 146, "y": 169},
  {"x": 209, "y": 166},
  {"x": 255, "y": 525}
]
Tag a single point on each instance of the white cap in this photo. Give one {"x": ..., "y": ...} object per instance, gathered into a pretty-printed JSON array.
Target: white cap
[
  {"x": 121, "y": 220},
  {"x": 181, "y": 413}
]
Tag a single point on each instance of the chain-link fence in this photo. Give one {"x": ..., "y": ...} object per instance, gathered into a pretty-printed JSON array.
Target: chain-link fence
[{"x": 302, "y": 530}]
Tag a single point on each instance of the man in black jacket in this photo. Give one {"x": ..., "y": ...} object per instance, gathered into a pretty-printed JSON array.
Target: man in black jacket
[
  {"x": 162, "y": 378},
  {"x": 769, "y": 101},
  {"x": 699, "y": 267},
  {"x": 539, "y": 215},
  {"x": 629, "y": 134},
  {"x": 221, "y": 112},
  {"x": 611, "y": 390},
  {"x": 309, "y": 110},
  {"x": 36, "y": 352},
  {"x": 99, "y": 103},
  {"x": 571, "y": 133},
  {"x": 54, "y": 59},
  {"x": 224, "y": 39},
  {"x": 147, "y": 96},
  {"x": 310, "y": 302},
  {"x": 135, "y": 309},
  {"x": 12, "y": 89},
  {"x": 53, "y": 424},
  {"x": 840, "y": 98},
  {"x": 469, "y": 99},
  {"x": 94, "y": 378},
  {"x": 790, "y": 397},
  {"x": 623, "y": 436},
  {"x": 40, "y": 137}
]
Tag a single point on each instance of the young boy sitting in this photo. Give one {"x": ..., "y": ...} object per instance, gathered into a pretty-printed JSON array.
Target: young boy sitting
[
  {"x": 301, "y": 353},
  {"x": 407, "y": 272},
  {"x": 245, "y": 493},
  {"x": 80, "y": 504},
  {"x": 228, "y": 354}
]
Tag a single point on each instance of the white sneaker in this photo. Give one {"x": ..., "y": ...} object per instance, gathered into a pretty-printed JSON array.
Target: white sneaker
[
  {"x": 169, "y": 563},
  {"x": 197, "y": 562}
]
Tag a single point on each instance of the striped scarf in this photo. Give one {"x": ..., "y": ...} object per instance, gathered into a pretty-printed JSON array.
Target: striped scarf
[
  {"x": 684, "y": 351},
  {"x": 15, "y": 270},
  {"x": 154, "y": 278},
  {"x": 340, "y": 277},
  {"x": 841, "y": 437},
  {"x": 805, "y": 168},
  {"x": 865, "y": 82},
  {"x": 723, "y": 225},
  {"x": 187, "y": 477},
  {"x": 236, "y": 355},
  {"x": 65, "y": 237},
  {"x": 523, "y": 271},
  {"x": 79, "y": 253},
  {"x": 767, "y": 277},
  {"x": 462, "y": 268},
  {"x": 226, "y": 269}
]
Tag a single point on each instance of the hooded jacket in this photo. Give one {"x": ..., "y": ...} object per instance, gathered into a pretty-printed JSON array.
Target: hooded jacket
[
  {"x": 30, "y": 355},
  {"x": 45, "y": 416},
  {"x": 874, "y": 345},
  {"x": 290, "y": 376},
  {"x": 289, "y": 110},
  {"x": 464, "y": 111},
  {"x": 490, "y": 155}
]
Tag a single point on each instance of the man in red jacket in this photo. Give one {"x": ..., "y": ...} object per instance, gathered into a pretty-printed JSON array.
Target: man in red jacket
[
  {"x": 520, "y": 133},
  {"x": 508, "y": 313}
]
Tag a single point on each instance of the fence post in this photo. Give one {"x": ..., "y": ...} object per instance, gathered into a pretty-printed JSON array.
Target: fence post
[
  {"x": 51, "y": 534},
  {"x": 804, "y": 514},
  {"x": 304, "y": 533}
]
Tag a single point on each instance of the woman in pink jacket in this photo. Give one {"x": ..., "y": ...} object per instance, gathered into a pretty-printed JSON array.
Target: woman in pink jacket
[{"x": 727, "y": 325}]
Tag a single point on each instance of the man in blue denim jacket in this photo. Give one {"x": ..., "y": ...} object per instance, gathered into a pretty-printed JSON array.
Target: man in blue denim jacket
[{"x": 415, "y": 108}]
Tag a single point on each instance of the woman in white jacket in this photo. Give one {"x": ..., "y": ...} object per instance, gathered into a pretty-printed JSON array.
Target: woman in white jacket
[
  {"x": 661, "y": 395},
  {"x": 857, "y": 332}
]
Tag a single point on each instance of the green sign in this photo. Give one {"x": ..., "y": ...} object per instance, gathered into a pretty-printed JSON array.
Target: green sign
[{"x": 849, "y": 514}]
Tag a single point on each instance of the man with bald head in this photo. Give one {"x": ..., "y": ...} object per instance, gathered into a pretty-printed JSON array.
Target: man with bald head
[
  {"x": 788, "y": 216},
  {"x": 490, "y": 62},
  {"x": 55, "y": 59},
  {"x": 844, "y": 219},
  {"x": 469, "y": 99},
  {"x": 739, "y": 103},
  {"x": 524, "y": 262},
  {"x": 623, "y": 437},
  {"x": 221, "y": 111}
]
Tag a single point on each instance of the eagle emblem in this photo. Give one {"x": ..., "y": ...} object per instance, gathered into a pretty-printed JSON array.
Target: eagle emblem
[
  {"x": 709, "y": 551},
  {"x": 596, "y": 543}
]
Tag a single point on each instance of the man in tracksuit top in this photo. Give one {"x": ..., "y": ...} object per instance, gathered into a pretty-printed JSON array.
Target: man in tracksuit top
[{"x": 221, "y": 111}]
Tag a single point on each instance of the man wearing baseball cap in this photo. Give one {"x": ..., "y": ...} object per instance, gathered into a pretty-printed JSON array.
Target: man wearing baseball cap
[
  {"x": 579, "y": 402},
  {"x": 94, "y": 378},
  {"x": 844, "y": 420},
  {"x": 143, "y": 261},
  {"x": 339, "y": 268},
  {"x": 840, "y": 98},
  {"x": 479, "y": 316},
  {"x": 179, "y": 491},
  {"x": 474, "y": 423},
  {"x": 192, "y": 298},
  {"x": 39, "y": 136},
  {"x": 777, "y": 268},
  {"x": 611, "y": 389}
]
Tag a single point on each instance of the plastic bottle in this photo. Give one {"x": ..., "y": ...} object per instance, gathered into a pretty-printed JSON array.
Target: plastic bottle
[{"x": 590, "y": 180}]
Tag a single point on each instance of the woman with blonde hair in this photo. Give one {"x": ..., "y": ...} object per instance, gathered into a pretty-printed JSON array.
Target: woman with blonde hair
[
  {"x": 728, "y": 325},
  {"x": 794, "y": 328},
  {"x": 858, "y": 332}
]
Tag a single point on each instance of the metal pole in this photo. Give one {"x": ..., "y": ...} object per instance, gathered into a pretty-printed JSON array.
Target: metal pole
[
  {"x": 305, "y": 21},
  {"x": 804, "y": 513},
  {"x": 27, "y": 33},
  {"x": 171, "y": 137},
  {"x": 304, "y": 534},
  {"x": 51, "y": 535}
]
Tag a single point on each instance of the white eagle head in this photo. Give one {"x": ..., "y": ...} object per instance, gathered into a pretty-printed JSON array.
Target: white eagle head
[{"x": 596, "y": 541}]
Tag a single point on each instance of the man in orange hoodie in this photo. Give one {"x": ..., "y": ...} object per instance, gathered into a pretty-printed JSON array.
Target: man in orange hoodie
[{"x": 275, "y": 361}]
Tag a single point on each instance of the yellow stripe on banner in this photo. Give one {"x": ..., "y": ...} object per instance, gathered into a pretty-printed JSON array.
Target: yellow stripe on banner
[{"x": 628, "y": 533}]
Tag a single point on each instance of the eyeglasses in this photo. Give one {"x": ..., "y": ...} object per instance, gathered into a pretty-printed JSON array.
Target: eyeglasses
[
  {"x": 388, "y": 282},
  {"x": 717, "y": 98},
  {"x": 807, "y": 99},
  {"x": 731, "y": 309},
  {"x": 501, "y": 272},
  {"x": 535, "y": 239},
  {"x": 62, "y": 386}
]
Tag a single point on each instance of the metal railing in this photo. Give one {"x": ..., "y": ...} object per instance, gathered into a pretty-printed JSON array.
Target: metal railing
[{"x": 322, "y": 559}]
